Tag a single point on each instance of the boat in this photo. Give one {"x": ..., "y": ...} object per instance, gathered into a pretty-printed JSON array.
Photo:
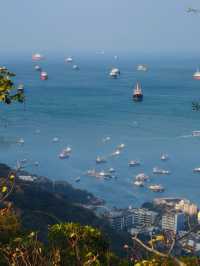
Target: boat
[
  {"x": 196, "y": 75},
  {"x": 156, "y": 188},
  {"x": 56, "y": 139},
  {"x": 111, "y": 170},
  {"x": 21, "y": 141},
  {"x": 106, "y": 139},
  {"x": 121, "y": 146},
  {"x": 117, "y": 152},
  {"x": 91, "y": 172},
  {"x": 133, "y": 163},
  {"x": 141, "y": 177},
  {"x": 43, "y": 75},
  {"x": 137, "y": 93},
  {"x": 75, "y": 67},
  {"x": 160, "y": 171},
  {"x": 37, "y": 57},
  {"x": 115, "y": 72},
  {"x": 69, "y": 60},
  {"x": 77, "y": 179},
  {"x": 142, "y": 67},
  {"x": 38, "y": 68},
  {"x": 139, "y": 183},
  {"x": 196, "y": 170},
  {"x": 65, "y": 153},
  {"x": 100, "y": 160},
  {"x": 196, "y": 133},
  {"x": 164, "y": 157}
]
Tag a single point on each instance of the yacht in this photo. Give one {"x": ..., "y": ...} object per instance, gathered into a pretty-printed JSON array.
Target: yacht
[
  {"x": 65, "y": 153},
  {"x": 141, "y": 177},
  {"x": 137, "y": 93},
  {"x": 156, "y": 188},
  {"x": 43, "y": 75},
  {"x": 100, "y": 160},
  {"x": 133, "y": 163},
  {"x": 139, "y": 183},
  {"x": 160, "y": 171},
  {"x": 196, "y": 75}
]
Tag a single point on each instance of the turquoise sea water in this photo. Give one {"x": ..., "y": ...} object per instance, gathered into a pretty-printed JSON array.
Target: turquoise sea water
[{"x": 82, "y": 107}]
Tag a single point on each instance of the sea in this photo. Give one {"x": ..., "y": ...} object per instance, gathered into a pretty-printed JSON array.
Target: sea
[{"x": 83, "y": 107}]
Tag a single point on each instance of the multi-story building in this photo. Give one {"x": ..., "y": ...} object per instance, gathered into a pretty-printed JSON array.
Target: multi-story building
[
  {"x": 143, "y": 217},
  {"x": 187, "y": 207},
  {"x": 173, "y": 221}
]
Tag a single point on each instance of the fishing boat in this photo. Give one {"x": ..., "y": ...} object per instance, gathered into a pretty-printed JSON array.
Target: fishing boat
[
  {"x": 137, "y": 93},
  {"x": 196, "y": 75},
  {"x": 156, "y": 188},
  {"x": 43, "y": 75},
  {"x": 133, "y": 163}
]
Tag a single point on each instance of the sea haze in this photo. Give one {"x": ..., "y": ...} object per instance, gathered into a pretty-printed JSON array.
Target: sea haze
[{"x": 82, "y": 107}]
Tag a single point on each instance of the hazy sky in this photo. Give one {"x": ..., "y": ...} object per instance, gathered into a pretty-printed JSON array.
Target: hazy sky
[{"x": 90, "y": 25}]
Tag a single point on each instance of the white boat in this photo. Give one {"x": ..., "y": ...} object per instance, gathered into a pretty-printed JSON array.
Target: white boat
[
  {"x": 106, "y": 139},
  {"x": 38, "y": 68},
  {"x": 196, "y": 75},
  {"x": 37, "y": 57},
  {"x": 43, "y": 75},
  {"x": 77, "y": 179},
  {"x": 65, "y": 153},
  {"x": 100, "y": 160},
  {"x": 156, "y": 188},
  {"x": 91, "y": 172},
  {"x": 133, "y": 163},
  {"x": 56, "y": 139},
  {"x": 160, "y": 171},
  {"x": 164, "y": 157},
  {"x": 69, "y": 60},
  {"x": 111, "y": 170},
  {"x": 121, "y": 146},
  {"x": 21, "y": 141},
  {"x": 142, "y": 67},
  {"x": 75, "y": 67},
  {"x": 141, "y": 177},
  {"x": 139, "y": 183},
  {"x": 115, "y": 72},
  {"x": 115, "y": 153},
  {"x": 196, "y": 133},
  {"x": 196, "y": 170}
]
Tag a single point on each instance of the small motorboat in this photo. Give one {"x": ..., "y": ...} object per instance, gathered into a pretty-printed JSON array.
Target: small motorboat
[
  {"x": 133, "y": 163},
  {"x": 106, "y": 139},
  {"x": 142, "y": 67},
  {"x": 121, "y": 146},
  {"x": 160, "y": 171},
  {"x": 38, "y": 68},
  {"x": 77, "y": 179},
  {"x": 196, "y": 170},
  {"x": 69, "y": 60},
  {"x": 21, "y": 141},
  {"x": 43, "y": 75},
  {"x": 75, "y": 67},
  {"x": 91, "y": 172},
  {"x": 114, "y": 73},
  {"x": 141, "y": 177},
  {"x": 139, "y": 183},
  {"x": 55, "y": 139},
  {"x": 156, "y": 188},
  {"x": 65, "y": 153},
  {"x": 196, "y": 133},
  {"x": 100, "y": 160},
  {"x": 37, "y": 57},
  {"x": 164, "y": 157},
  {"x": 111, "y": 170},
  {"x": 116, "y": 153}
]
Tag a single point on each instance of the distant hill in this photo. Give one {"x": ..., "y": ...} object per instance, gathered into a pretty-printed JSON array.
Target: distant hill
[{"x": 43, "y": 202}]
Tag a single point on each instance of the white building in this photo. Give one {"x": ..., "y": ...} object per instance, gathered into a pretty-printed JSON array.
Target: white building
[{"x": 173, "y": 221}]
